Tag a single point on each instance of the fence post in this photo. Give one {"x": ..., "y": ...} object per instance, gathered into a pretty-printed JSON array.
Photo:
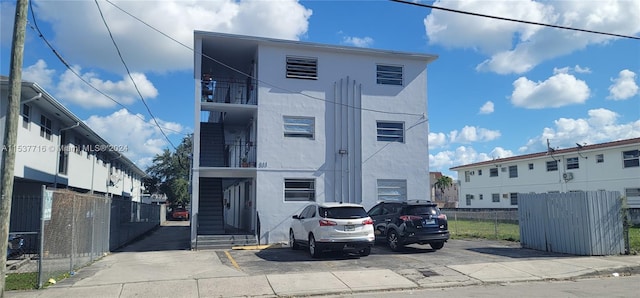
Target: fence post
[{"x": 73, "y": 233}]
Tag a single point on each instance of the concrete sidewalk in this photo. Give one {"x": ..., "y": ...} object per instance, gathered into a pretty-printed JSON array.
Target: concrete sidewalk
[{"x": 140, "y": 271}]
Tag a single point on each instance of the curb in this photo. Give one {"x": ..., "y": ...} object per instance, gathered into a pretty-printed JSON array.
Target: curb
[{"x": 258, "y": 247}]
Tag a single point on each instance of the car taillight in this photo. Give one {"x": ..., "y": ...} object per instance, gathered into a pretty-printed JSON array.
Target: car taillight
[
  {"x": 442, "y": 216},
  {"x": 367, "y": 221},
  {"x": 324, "y": 223},
  {"x": 410, "y": 217}
]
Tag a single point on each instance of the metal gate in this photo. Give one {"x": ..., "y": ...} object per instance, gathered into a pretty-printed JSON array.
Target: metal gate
[{"x": 579, "y": 223}]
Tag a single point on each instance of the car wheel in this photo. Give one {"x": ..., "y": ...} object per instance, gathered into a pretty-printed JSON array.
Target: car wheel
[
  {"x": 292, "y": 241},
  {"x": 365, "y": 252},
  {"x": 314, "y": 250},
  {"x": 436, "y": 245},
  {"x": 394, "y": 241}
]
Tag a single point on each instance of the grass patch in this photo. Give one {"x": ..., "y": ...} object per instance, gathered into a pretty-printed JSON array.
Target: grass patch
[
  {"x": 634, "y": 240},
  {"x": 21, "y": 281},
  {"x": 461, "y": 229}
]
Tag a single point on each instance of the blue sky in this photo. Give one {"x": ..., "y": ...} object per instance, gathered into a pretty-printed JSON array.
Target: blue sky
[{"x": 498, "y": 88}]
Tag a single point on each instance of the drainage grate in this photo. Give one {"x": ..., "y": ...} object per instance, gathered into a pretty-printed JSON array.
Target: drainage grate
[{"x": 428, "y": 273}]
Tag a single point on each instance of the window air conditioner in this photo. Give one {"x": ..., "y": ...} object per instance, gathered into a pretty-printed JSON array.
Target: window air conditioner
[{"x": 567, "y": 176}]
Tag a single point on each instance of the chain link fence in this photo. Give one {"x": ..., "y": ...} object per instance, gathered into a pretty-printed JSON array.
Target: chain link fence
[
  {"x": 489, "y": 224},
  {"x": 64, "y": 230}
]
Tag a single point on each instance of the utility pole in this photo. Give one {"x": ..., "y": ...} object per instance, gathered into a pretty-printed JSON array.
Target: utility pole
[{"x": 11, "y": 132}]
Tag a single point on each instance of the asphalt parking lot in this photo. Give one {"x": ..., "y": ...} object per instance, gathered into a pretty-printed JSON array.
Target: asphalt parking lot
[{"x": 415, "y": 258}]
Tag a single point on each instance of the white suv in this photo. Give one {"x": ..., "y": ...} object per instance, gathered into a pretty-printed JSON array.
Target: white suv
[{"x": 332, "y": 226}]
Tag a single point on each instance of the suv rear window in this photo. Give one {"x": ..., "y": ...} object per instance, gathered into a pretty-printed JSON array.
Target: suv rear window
[
  {"x": 421, "y": 210},
  {"x": 343, "y": 212}
]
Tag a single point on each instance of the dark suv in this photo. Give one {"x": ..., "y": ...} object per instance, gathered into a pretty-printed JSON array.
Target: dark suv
[{"x": 403, "y": 223}]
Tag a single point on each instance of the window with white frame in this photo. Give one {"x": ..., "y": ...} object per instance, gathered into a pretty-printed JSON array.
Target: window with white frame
[
  {"x": 514, "y": 198},
  {"x": 513, "y": 171},
  {"x": 299, "y": 190},
  {"x": 552, "y": 166},
  {"x": 631, "y": 158},
  {"x": 495, "y": 197},
  {"x": 530, "y": 166},
  {"x": 302, "y": 68},
  {"x": 26, "y": 115},
  {"x": 573, "y": 163},
  {"x": 468, "y": 199},
  {"x": 493, "y": 172},
  {"x": 299, "y": 127},
  {"x": 632, "y": 192},
  {"x": 390, "y": 131},
  {"x": 392, "y": 190},
  {"x": 389, "y": 74},
  {"x": 599, "y": 158},
  {"x": 45, "y": 127}
]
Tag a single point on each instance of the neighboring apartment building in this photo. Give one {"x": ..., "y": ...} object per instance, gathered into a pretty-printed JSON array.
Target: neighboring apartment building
[
  {"x": 281, "y": 123},
  {"x": 612, "y": 166},
  {"x": 56, "y": 149}
]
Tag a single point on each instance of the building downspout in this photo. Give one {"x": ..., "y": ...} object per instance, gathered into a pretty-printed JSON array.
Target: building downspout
[{"x": 55, "y": 179}]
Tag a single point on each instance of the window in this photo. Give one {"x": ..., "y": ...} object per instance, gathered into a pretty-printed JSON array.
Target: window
[
  {"x": 480, "y": 196},
  {"x": 573, "y": 163},
  {"x": 63, "y": 156},
  {"x": 392, "y": 190},
  {"x": 513, "y": 171},
  {"x": 26, "y": 116},
  {"x": 467, "y": 176},
  {"x": 530, "y": 166},
  {"x": 302, "y": 68},
  {"x": 299, "y": 190},
  {"x": 479, "y": 172},
  {"x": 552, "y": 166},
  {"x": 390, "y": 131},
  {"x": 599, "y": 158},
  {"x": 631, "y": 158},
  {"x": 469, "y": 198},
  {"x": 632, "y": 192},
  {"x": 495, "y": 197},
  {"x": 389, "y": 75},
  {"x": 299, "y": 127},
  {"x": 514, "y": 198},
  {"x": 493, "y": 172},
  {"x": 45, "y": 127}
]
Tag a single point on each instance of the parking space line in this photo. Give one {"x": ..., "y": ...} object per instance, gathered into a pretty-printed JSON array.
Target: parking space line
[{"x": 233, "y": 261}]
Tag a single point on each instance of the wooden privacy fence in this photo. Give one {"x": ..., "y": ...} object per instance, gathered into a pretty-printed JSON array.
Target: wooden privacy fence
[{"x": 579, "y": 223}]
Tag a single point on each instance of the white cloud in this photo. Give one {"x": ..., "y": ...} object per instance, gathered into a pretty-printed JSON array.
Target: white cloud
[
  {"x": 517, "y": 48},
  {"x": 437, "y": 140},
  {"x": 470, "y": 134},
  {"x": 567, "y": 69},
  {"x": 624, "y": 86},
  {"x": 72, "y": 89},
  {"x": 580, "y": 69},
  {"x": 81, "y": 35},
  {"x": 39, "y": 73},
  {"x": 487, "y": 108},
  {"x": 600, "y": 126},
  {"x": 143, "y": 138},
  {"x": 559, "y": 90},
  {"x": 363, "y": 42}
]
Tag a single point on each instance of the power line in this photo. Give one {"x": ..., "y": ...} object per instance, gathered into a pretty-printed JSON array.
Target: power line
[
  {"x": 35, "y": 28},
  {"x": 131, "y": 77},
  {"x": 255, "y": 78},
  {"x": 515, "y": 20}
]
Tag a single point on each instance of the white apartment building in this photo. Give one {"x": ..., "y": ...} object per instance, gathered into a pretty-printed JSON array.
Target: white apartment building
[
  {"x": 281, "y": 123},
  {"x": 612, "y": 166},
  {"x": 56, "y": 149}
]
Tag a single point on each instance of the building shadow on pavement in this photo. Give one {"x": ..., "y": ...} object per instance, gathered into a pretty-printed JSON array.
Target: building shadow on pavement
[
  {"x": 162, "y": 238},
  {"x": 518, "y": 253}
]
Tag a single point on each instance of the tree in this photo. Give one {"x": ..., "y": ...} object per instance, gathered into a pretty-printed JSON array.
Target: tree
[
  {"x": 442, "y": 183},
  {"x": 169, "y": 173}
]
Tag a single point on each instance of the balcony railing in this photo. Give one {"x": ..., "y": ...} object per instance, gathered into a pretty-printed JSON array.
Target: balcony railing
[
  {"x": 241, "y": 155},
  {"x": 227, "y": 90}
]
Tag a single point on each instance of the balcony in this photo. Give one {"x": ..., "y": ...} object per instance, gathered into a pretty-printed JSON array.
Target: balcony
[{"x": 228, "y": 90}]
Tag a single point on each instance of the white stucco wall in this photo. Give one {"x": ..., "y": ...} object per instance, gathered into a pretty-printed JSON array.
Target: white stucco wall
[
  {"x": 282, "y": 157},
  {"x": 590, "y": 176}
]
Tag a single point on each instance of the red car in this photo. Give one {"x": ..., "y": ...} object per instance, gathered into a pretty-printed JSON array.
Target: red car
[{"x": 180, "y": 214}]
